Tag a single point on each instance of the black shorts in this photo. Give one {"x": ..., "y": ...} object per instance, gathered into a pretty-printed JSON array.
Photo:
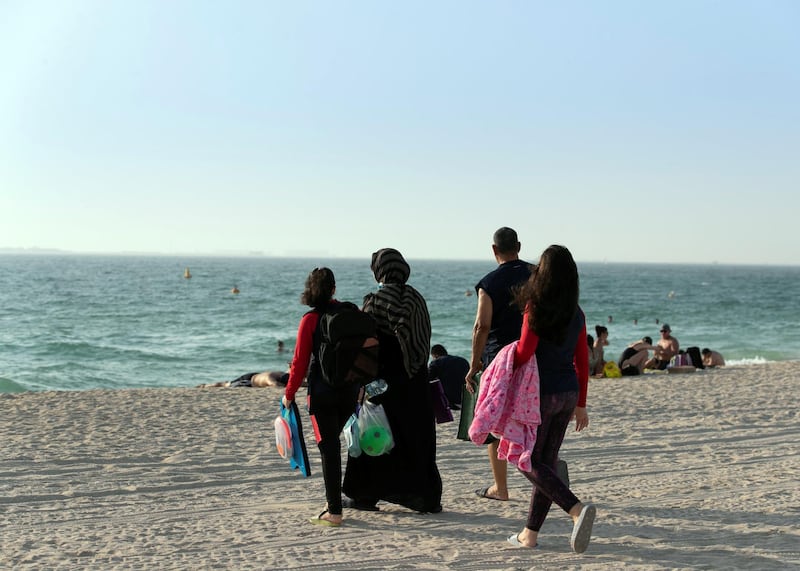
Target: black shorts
[{"x": 630, "y": 371}]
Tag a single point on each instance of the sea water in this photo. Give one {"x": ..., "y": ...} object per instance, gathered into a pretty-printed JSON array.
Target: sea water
[{"x": 74, "y": 322}]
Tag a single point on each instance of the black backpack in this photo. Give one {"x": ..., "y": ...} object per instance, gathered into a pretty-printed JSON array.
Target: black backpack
[
  {"x": 347, "y": 346},
  {"x": 695, "y": 357}
]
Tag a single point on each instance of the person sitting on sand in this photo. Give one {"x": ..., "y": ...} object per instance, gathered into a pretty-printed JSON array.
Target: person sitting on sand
[
  {"x": 265, "y": 379},
  {"x": 663, "y": 352},
  {"x": 593, "y": 357},
  {"x": 598, "y": 352},
  {"x": 712, "y": 358},
  {"x": 633, "y": 358},
  {"x": 450, "y": 370}
]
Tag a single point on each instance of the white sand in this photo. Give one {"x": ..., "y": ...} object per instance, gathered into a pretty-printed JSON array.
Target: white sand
[{"x": 695, "y": 471}]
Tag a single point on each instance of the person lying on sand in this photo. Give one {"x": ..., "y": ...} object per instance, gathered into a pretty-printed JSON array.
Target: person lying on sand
[{"x": 265, "y": 379}]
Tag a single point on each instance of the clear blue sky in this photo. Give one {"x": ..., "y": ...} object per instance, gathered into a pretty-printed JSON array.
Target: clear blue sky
[{"x": 626, "y": 130}]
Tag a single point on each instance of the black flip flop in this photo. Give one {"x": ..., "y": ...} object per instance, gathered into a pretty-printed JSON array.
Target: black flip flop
[
  {"x": 484, "y": 493},
  {"x": 359, "y": 505}
]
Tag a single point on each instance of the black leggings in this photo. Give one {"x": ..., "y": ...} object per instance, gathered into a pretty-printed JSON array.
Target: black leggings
[
  {"x": 556, "y": 411},
  {"x": 330, "y": 412}
]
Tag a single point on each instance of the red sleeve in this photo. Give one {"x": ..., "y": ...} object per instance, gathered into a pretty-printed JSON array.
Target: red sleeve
[
  {"x": 582, "y": 366},
  {"x": 528, "y": 341},
  {"x": 302, "y": 353}
]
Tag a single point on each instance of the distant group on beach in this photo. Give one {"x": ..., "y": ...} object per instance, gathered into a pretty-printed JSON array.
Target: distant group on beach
[{"x": 635, "y": 358}]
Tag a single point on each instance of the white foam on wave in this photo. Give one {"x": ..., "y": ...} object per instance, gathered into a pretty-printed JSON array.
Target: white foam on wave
[{"x": 751, "y": 361}]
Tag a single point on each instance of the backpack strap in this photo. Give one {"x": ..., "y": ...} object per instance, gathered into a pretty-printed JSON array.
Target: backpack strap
[
  {"x": 317, "y": 339},
  {"x": 314, "y": 365}
]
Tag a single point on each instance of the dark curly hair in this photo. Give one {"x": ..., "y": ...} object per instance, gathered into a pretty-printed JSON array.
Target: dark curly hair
[
  {"x": 319, "y": 288},
  {"x": 551, "y": 294}
]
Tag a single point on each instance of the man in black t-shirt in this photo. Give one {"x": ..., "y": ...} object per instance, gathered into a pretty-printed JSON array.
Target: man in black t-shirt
[{"x": 498, "y": 322}]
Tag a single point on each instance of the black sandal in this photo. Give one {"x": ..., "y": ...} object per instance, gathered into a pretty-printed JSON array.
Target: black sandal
[{"x": 362, "y": 505}]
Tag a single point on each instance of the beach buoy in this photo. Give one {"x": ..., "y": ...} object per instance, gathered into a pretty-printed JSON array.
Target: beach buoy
[
  {"x": 235, "y": 290},
  {"x": 375, "y": 440},
  {"x": 611, "y": 370},
  {"x": 187, "y": 274}
]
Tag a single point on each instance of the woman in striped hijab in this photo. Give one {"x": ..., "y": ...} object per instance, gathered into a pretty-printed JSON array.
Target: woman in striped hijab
[
  {"x": 399, "y": 309},
  {"x": 408, "y": 474}
]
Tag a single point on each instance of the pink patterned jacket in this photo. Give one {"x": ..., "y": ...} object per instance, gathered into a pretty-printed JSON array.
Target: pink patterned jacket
[{"x": 508, "y": 407}]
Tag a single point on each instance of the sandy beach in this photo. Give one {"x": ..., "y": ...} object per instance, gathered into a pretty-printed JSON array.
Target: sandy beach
[{"x": 691, "y": 471}]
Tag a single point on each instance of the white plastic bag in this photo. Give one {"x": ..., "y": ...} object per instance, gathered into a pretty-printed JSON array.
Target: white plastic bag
[
  {"x": 352, "y": 434},
  {"x": 375, "y": 432}
]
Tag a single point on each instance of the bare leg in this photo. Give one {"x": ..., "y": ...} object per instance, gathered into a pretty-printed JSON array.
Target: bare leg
[
  {"x": 333, "y": 518},
  {"x": 575, "y": 511},
  {"x": 499, "y": 472},
  {"x": 528, "y": 537}
]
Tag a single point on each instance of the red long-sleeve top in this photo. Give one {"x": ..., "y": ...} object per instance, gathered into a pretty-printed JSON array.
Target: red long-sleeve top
[
  {"x": 302, "y": 353},
  {"x": 529, "y": 341}
]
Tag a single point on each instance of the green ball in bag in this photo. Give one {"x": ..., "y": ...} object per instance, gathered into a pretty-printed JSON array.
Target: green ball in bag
[{"x": 375, "y": 440}]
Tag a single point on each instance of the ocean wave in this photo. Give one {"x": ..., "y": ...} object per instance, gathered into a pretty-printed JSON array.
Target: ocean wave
[
  {"x": 84, "y": 351},
  {"x": 9, "y": 386},
  {"x": 80, "y": 327}
]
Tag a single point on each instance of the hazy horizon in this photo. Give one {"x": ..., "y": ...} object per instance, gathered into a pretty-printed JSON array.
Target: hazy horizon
[{"x": 322, "y": 256}]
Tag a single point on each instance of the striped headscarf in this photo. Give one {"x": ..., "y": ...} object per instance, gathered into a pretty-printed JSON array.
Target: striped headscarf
[{"x": 399, "y": 309}]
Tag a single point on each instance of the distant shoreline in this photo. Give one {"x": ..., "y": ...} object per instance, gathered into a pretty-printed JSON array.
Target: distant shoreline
[
  {"x": 654, "y": 375},
  {"x": 34, "y": 252}
]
